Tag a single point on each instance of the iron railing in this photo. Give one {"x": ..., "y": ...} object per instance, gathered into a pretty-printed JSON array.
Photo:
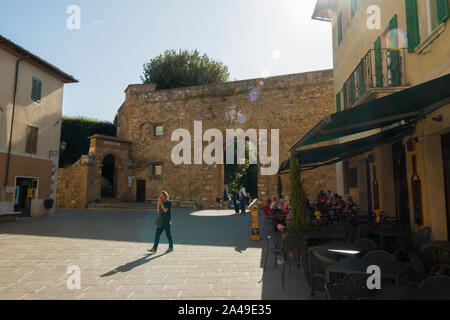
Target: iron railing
[{"x": 380, "y": 68}]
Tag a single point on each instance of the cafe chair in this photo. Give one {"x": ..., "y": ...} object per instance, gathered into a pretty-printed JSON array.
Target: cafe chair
[
  {"x": 436, "y": 282},
  {"x": 355, "y": 286},
  {"x": 425, "y": 236},
  {"x": 404, "y": 243},
  {"x": 378, "y": 257},
  {"x": 434, "y": 258},
  {"x": 444, "y": 270},
  {"x": 314, "y": 272},
  {"x": 292, "y": 247},
  {"x": 275, "y": 250},
  {"x": 414, "y": 277}
]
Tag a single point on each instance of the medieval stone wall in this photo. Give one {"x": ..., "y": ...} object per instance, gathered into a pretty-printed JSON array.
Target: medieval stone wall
[
  {"x": 292, "y": 103},
  {"x": 72, "y": 186}
]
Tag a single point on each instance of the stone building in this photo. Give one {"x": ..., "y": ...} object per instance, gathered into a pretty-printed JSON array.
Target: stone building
[{"x": 142, "y": 150}]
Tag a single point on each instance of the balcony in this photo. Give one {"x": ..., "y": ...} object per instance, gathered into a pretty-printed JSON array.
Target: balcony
[{"x": 380, "y": 73}]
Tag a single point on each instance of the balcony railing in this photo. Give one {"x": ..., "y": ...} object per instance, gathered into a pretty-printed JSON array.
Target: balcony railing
[{"x": 380, "y": 68}]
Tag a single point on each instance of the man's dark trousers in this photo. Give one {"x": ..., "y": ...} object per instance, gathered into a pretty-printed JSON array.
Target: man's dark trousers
[
  {"x": 165, "y": 227},
  {"x": 243, "y": 203}
]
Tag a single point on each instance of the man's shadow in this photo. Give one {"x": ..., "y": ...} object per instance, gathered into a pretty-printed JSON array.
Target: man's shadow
[{"x": 131, "y": 265}]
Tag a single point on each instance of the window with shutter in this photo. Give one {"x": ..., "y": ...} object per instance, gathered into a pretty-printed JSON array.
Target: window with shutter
[
  {"x": 338, "y": 102},
  {"x": 442, "y": 10},
  {"x": 36, "y": 89},
  {"x": 32, "y": 139},
  {"x": 339, "y": 26},
  {"x": 395, "y": 54},
  {"x": 362, "y": 79},
  {"x": 353, "y": 7},
  {"x": 412, "y": 24},
  {"x": 378, "y": 63}
]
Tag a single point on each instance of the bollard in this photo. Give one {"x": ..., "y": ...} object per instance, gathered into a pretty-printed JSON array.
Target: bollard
[{"x": 254, "y": 231}]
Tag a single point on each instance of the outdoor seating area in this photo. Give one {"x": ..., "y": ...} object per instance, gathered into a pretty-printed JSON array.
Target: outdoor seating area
[{"x": 336, "y": 252}]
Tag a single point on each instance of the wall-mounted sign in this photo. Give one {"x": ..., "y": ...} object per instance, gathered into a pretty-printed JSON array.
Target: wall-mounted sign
[{"x": 416, "y": 193}]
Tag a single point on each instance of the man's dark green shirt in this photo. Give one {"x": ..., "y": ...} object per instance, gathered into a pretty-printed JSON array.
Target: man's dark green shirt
[{"x": 166, "y": 216}]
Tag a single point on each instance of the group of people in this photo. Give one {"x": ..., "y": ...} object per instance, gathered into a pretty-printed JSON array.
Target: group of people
[
  {"x": 279, "y": 209},
  {"x": 239, "y": 197},
  {"x": 332, "y": 202}
]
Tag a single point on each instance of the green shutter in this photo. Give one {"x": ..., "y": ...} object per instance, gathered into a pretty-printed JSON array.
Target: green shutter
[
  {"x": 442, "y": 10},
  {"x": 338, "y": 102},
  {"x": 395, "y": 54},
  {"x": 378, "y": 63},
  {"x": 340, "y": 29},
  {"x": 362, "y": 79},
  {"x": 354, "y": 7},
  {"x": 36, "y": 89},
  {"x": 346, "y": 106},
  {"x": 352, "y": 90},
  {"x": 412, "y": 24}
]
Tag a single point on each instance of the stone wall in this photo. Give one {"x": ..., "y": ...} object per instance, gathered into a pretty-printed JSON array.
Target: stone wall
[
  {"x": 72, "y": 185},
  {"x": 292, "y": 103}
]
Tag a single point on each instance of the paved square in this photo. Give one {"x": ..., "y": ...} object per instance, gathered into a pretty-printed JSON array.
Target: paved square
[{"x": 214, "y": 258}]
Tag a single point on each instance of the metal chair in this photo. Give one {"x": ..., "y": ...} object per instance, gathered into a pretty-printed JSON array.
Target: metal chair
[
  {"x": 425, "y": 235},
  {"x": 365, "y": 245},
  {"x": 406, "y": 242},
  {"x": 276, "y": 250},
  {"x": 378, "y": 257},
  {"x": 434, "y": 258},
  {"x": 293, "y": 247},
  {"x": 352, "y": 234},
  {"x": 355, "y": 286},
  {"x": 417, "y": 274},
  {"x": 436, "y": 282}
]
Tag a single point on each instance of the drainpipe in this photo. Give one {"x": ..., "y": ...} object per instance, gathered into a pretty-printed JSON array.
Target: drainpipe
[{"x": 12, "y": 121}]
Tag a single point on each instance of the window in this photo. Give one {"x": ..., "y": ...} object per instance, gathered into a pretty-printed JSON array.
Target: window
[
  {"x": 353, "y": 7},
  {"x": 437, "y": 13},
  {"x": 36, "y": 90},
  {"x": 158, "y": 131},
  {"x": 157, "y": 170},
  {"x": 338, "y": 102},
  {"x": 339, "y": 26},
  {"x": 345, "y": 178},
  {"x": 412, "y": 24},
  {"x": 32, "y": 138},
  {"x": 353, "y": 178}
]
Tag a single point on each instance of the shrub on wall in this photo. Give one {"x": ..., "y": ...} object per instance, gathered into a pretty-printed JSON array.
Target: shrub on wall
[{"x": 75, "y": 133}]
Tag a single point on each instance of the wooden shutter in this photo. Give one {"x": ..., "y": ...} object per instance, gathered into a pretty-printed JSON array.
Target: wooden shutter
[
  {"x": 395, "y": 54},
  {"x": 412, "y": 24},
  {"x": 354, "y": 7},
  {"x": 442, "y": 10},
  {"x": 340, "y": 35},
  {"x": 338, "y": 102},
  {"x": 378, "y": 63}
]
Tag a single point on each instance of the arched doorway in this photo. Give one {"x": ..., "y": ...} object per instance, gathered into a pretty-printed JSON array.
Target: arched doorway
[
  {"x": 246, "y": 174},
  {"x": 108, "y": 177}
]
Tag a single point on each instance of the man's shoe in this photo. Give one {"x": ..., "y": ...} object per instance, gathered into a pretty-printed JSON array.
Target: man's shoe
[
  {"x": 169, "y": 250},
  {"x": 153, "y": 250}
]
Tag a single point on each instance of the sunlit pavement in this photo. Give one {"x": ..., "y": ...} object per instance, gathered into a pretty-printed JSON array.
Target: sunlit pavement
[{"x": 214, "y": 258}]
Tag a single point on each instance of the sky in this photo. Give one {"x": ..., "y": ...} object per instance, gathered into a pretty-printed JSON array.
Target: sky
[{"x": 254, "y": 38}]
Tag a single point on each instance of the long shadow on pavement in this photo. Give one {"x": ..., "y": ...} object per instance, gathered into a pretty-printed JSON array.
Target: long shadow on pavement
[{"x": 131, "y": 265}]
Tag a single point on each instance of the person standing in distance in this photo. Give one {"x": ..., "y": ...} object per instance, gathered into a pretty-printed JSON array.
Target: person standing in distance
[
  {"x": 243, "y": 198},
  {"x": 164, "y": 221}
]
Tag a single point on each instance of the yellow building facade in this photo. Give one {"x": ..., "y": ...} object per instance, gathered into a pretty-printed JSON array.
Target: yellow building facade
[{"x": 381, "y": 47}]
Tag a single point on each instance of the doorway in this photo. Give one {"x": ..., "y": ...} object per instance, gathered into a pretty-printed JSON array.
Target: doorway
[
  {"x": 401, "y": 184},
  {"x": 23, "y": 196},
  {"x": 140, "y": 190},
  {"x": 446, "y": 168},
  {"x": 108, "y": 177}
]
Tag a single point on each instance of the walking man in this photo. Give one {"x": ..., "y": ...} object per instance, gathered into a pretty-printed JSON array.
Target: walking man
[
  {"x": 243, "y": 198},
  {"x": 164, "y": 221}
]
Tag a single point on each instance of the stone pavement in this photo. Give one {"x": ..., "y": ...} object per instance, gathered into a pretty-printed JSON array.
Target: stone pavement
[{"x": 214, "y": 258}]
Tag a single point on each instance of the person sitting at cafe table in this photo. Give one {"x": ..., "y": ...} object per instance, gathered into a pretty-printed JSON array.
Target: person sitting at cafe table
[
  {"x": 267, "y": 209},
  {"x": 351, "y": 207},
  {"x": 276, "y": 204},
  {"x": 286, "y": 207}
]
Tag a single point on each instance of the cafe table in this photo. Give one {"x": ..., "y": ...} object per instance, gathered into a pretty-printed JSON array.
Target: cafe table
[
  {"x": 405, "y": 293},
  {"x": 340, "y": 248},
  {"x": 390, "y": 270},
  {"x": 438, "y": 244},
  {"x": 382, "y": 234}
]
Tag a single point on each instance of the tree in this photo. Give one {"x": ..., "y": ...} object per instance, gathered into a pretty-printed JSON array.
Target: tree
[
  {"x": 298, "y": 198},
  {"x": 280, "y": 187},
  {"x": 183, "y": 69}
]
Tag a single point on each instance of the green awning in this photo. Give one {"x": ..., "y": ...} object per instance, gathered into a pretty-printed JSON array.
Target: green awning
[
  {"x": 316, "y": 157},
  {"x": 408, "y": 104}
]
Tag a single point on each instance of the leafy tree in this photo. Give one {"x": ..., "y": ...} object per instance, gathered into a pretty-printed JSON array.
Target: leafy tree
[
  {"x": 183, "y": 69},
  {"x": 298, "y": 198},
  {"x": 279, "y": 187},
  {"x": 75, "y": 133}
]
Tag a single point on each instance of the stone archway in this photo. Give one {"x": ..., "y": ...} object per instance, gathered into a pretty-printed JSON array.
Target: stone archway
[{"x": 109, "y": 182}]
